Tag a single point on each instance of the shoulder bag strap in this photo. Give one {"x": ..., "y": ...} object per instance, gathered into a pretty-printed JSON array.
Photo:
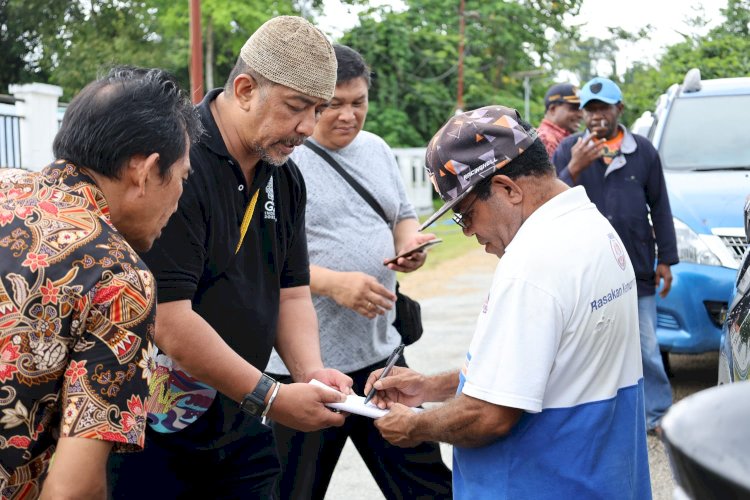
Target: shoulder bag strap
[{"x": 348, "y": 178}]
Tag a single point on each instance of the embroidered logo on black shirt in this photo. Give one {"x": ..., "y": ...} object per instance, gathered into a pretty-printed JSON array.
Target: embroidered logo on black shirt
[{"x": 269, "y": 207}]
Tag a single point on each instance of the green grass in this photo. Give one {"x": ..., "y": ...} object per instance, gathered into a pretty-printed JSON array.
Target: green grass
[{"x": 454, "y": 242}]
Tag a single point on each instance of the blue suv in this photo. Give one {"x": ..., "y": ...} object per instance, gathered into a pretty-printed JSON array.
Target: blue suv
[{"x": 698, "y": 128}]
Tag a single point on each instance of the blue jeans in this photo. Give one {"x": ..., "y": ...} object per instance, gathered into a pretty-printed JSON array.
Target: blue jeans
[{"x": 656, "y": 388}]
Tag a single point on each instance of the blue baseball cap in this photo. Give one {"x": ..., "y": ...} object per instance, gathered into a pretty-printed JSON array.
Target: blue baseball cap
[{"x": 600, "y": 89}]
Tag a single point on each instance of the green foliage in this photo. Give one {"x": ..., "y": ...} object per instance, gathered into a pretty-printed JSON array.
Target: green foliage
[
  {"x": 98, "y": 36},
  {"x": 24, "y": 25},
  {"x": 415, "y": 57},
  {"x": 737, "y": 14},
  {"x": 393, "y": 125},
  {"x": 226, "y": 25},
  {"x": 69, "y": 43},
  {"x": 414, "y": 53},
  {"x": 723, "y": 53}
]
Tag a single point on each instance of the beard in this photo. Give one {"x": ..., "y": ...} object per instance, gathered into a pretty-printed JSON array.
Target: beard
[{"x": 276, "y": 159}]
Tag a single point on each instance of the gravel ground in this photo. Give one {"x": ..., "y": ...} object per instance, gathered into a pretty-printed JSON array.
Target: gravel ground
[{"x": 451, "y": 295}]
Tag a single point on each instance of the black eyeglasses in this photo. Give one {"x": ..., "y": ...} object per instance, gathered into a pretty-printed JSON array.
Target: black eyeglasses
[{"x": 463, "y": 219}]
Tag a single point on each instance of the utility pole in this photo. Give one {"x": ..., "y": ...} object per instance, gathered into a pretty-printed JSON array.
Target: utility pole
[
  {"x": 196, "y": 52},
  {"x": 462, "y": 16},
  {"x": 527, "y": 76},
  {"x": 461, "y": 28}
]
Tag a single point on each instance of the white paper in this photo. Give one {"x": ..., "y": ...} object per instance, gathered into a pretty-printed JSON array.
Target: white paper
[{"x": 355, "y": 404}]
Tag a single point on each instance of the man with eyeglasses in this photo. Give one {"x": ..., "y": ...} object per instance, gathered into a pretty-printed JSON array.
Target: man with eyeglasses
[
  {"x": 549, "y": 402},
  {"x": 562, "y": 115}
]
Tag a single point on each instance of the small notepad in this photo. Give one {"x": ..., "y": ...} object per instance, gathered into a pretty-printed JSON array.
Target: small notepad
[{"x": 355, "y": 404}]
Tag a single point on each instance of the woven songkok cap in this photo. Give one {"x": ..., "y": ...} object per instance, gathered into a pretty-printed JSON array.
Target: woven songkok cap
[{"x": 290, "y": 51}]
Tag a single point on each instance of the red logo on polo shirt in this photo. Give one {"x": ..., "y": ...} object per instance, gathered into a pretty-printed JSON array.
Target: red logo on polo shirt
[{"x": 617, "y": 250}]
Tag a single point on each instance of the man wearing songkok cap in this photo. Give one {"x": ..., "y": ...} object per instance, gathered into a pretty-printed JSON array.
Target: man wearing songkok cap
[
  {"x": 549, "y": 402},
  {"x": 233, "y": 282},
  {"x": 562, "y": 115},
  {"x": 622, "y": 174}
]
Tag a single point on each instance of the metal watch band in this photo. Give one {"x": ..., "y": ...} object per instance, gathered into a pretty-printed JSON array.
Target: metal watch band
[{"x": 255, "y": 402}]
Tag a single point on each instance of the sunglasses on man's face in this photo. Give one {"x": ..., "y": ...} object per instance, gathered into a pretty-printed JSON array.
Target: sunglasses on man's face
[{"x": 463, "y": 218}]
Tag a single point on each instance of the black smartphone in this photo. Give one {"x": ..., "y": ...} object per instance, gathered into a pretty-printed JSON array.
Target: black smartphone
[{"x": 423, "y": 246}]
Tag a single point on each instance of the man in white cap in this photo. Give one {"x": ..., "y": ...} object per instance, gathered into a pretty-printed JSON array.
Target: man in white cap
[{"x": 233, "y": 281}]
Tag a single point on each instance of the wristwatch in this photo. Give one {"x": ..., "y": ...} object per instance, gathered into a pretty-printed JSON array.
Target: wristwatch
[{"x": 255, "y": 402}]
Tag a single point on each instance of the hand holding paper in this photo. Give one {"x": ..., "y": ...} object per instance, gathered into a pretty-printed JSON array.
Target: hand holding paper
[{"x": 355, "y": 404}]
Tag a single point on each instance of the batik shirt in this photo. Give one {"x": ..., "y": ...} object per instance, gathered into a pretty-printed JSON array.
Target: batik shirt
[
  {"x": 551, "y": 135},
  {"x": 77, "y": 311}
]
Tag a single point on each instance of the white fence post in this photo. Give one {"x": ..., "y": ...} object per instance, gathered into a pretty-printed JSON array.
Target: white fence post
[
  {"x": 38, "y": 108},
  {"x": 416, "y": 181}
]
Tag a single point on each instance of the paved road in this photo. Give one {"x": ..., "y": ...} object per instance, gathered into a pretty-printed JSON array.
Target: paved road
[{"x": 451, "y": 296}]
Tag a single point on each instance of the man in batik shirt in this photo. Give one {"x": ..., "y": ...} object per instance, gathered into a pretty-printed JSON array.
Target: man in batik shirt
[
  {"x": 77, "y": 304},
  {"x": 562, "y": 115}
]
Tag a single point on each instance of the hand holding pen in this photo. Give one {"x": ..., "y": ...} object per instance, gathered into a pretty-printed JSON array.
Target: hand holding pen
[{"x": 389, "y": 364}]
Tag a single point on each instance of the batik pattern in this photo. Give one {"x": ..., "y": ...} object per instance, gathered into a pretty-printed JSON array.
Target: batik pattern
[{"x": 77, "y": 310}]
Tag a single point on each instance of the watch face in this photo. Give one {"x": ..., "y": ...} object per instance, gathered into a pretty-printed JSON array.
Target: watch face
[
  {"x": 255, "y": 402},
  {"x": 251, "y": 407}
]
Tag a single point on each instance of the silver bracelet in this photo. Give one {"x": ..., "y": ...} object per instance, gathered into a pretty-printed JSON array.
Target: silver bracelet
[{"x": 263, "y": 416}]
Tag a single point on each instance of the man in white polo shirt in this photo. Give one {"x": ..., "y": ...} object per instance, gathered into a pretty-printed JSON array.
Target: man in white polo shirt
[{"x": 549, "y": 403}]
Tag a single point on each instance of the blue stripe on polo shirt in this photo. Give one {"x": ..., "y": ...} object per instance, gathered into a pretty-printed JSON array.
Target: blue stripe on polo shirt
[{"x": 591, "y": 450}]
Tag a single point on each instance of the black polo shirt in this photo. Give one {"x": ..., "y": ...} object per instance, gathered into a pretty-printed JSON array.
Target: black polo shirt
[{"x": 238, "y": 295}]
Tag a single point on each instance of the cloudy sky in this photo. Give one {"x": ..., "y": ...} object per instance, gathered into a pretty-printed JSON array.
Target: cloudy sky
[{"x": 666, "y": 16}]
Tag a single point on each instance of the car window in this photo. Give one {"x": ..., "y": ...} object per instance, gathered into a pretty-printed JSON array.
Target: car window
[{"x": 706, "y": 133}]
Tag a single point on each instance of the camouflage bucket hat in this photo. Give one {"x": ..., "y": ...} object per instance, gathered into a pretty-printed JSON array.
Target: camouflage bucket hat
[{"x": 469, "y": 148}]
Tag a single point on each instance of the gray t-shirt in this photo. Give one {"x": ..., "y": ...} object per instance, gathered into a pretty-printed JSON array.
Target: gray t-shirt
[{"x": 345, "y": 234}]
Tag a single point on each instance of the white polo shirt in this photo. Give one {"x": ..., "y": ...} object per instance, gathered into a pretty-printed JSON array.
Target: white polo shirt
[{"x": 558, "y": 338}]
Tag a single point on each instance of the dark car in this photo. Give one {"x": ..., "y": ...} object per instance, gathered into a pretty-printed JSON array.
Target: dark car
[{"x": 734, "y": 355}]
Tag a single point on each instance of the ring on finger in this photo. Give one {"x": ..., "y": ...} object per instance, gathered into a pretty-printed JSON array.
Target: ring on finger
[{"x": 369, "y": 306}]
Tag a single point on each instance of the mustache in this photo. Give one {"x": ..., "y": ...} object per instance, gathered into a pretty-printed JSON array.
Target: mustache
[{"x": 293, "y": 141}]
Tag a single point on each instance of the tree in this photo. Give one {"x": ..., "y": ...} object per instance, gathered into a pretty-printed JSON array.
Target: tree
[
  {"x": 737, "y": 14},
  {"x": 226, "y": 26},
  {"x": 414, "y": 54},
  {"x": 69, "y": 43},
  {"x": 722, "y": 53},
  {"x": 24, "y": 24},
  {"x": 98, "y": 35}
]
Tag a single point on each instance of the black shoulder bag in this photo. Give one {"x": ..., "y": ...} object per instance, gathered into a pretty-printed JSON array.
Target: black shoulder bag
[{"x": 408, "y": 320}]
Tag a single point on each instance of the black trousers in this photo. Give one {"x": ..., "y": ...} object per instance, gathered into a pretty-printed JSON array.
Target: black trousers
[
  {"x": 224, "y": 454},
  {"x": 308, "y": 459}
]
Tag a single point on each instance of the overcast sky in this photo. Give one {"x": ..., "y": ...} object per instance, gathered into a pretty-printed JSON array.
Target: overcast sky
[{"x": 666, "y": 16}]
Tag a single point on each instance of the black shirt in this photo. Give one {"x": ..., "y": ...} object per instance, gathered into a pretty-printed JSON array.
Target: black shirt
[{"x": 238, "y": 295}]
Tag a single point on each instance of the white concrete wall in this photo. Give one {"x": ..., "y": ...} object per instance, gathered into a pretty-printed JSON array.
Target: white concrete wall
[
  {"x": 418, "y": 185},
  {"x": 10, "y": 132},
  {"x": 37, "y": 107}
]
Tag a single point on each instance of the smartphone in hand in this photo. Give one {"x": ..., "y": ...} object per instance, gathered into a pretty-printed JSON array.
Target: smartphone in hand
[{"x": 423, "y": 246}]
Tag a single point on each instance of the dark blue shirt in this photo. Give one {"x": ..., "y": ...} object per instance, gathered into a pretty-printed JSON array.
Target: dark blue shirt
[{"x": 626, "y": 191}]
